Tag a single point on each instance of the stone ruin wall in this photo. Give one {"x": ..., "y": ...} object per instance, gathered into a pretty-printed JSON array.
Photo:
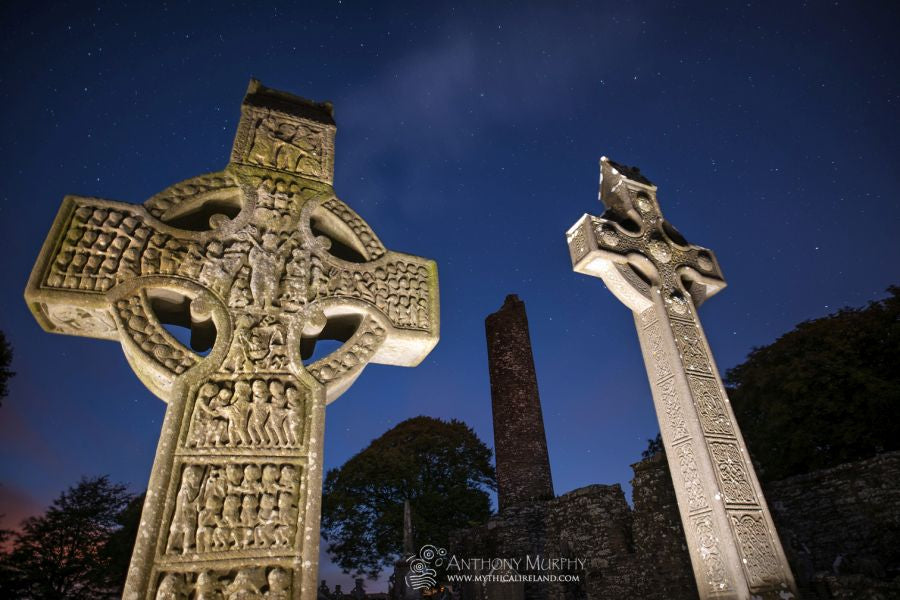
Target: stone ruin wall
[{"x": 840, "y": 528}]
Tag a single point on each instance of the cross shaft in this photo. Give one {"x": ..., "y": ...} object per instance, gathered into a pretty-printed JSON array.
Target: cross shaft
[
  {"x": 260, "y": 260},
  {"x": 734, "y": 547}
]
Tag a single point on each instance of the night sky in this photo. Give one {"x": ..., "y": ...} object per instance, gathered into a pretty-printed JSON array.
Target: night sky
[{"x": 469, "y": 134}]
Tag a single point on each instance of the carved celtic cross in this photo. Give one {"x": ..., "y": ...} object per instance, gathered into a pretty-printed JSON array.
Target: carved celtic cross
[
  {"x": 260, "y": 261},
  {"x": 654, "y": 271}
]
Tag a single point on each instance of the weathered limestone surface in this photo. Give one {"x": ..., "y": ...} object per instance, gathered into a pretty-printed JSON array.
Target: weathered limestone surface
[
  {"x": 663, "y": 279},
  {"x": 520, "y": 444},
  {"x": 260, "y": 260}
]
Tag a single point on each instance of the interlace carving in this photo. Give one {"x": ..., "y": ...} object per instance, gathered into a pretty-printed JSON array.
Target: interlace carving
[
  {"x": 732, "y": 472},
  {"x": 708, "y": 549},
  {"x": 98, "y": 244},
  {"x": 661, "y": 366},
  {"x": 760, "y": 561},
  {"x": 674, "y": 415},
  {"x": 690, "y": 477},
  {"x": 690, "y": 346},
  {"x": 713, "y": 415}
]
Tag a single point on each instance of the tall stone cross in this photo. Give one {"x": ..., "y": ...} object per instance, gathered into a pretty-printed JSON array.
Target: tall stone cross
[
  {"x": 654, "y": 271},
  {"x": 260, "y": 260}
]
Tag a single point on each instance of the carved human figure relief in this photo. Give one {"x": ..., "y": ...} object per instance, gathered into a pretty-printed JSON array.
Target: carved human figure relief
[
  {"x": 259, "y": 261},
  {"x": 649, "y": 266}
]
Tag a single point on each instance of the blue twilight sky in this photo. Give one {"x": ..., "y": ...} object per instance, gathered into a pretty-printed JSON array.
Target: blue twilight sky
[{"x": 468, "y": 133}]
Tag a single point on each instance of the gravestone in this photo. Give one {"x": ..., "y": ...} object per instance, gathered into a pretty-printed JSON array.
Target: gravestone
[
  {"x": 260, "y": 261},
  {"x": 734, "y": 548}
]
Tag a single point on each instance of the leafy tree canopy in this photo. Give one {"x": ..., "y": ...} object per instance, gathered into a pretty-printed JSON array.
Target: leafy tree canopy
[
  {"x": 441, "y": 467},
  {"x": 824, "y": 393},
  {"x": 66, "y": 553}
]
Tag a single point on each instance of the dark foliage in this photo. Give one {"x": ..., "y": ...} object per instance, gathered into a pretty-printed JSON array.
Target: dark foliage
[
  {"x": 120, "y": 543},
  {"x": 65, "y": 553},
  {"x": 654, "y": 447},
  {"x": 824, "y": 393},
  {"x": 441, "y": 467},
  {"x": 6, "y": 356}
]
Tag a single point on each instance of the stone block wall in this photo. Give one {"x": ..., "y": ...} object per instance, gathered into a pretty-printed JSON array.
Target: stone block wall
[
  {"x": 840, "y": 528},
  {"x": 662, "y": 555},
  {"x": 593, "y": 523}
]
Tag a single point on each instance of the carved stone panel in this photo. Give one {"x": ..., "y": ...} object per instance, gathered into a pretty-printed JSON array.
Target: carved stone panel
[
  {"x": 711, "y": 409},
  {"x": 399, "y": 289},
  {"x": 690, "y": 477},
  {"x": 707, "y": 539},
  {"x": 234, "y": 508},
  {"x": 99, "y": 243},
  {"x": 757, "y": 551},
  {"x": 577, "y": 247},
  {"x": 647, "y": 317},
  {"x": 250, "y": 413},
  {"x": 248, "y": 583},
  {"x": 672, "y": 405},
  {"x": 77, "y": 320},
  {"x": 731, "y": 471},
  {"x": 259, "y": 344},
  {"x": 278, "y": 141},
  {"x": 662, "y": 368},
  {"x": 690, "y": 346}
]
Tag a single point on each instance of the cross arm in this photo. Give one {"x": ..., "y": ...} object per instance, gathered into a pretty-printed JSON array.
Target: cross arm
[
  {"x": 383, "y": 305},
  {"x": 598, "y": 248},
  {"x": 101, "y": 273},
  {"x": 394, "y": 301},
  {"x": 90, "y": 243}
]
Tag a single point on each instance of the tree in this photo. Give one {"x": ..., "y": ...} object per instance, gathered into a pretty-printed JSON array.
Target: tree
[
  {"x": 654, "y": 447},
  {"x": 6, "y": 356},
  {"x": 824, "y": 393},
  {"x": 63, "y": 553},
  {"x": 120, "y": 543},
  {"x": 441, "y": 467}
]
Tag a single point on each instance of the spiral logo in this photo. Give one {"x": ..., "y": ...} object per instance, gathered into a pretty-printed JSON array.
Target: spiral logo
[
  {"x": 418, "y": 566},
  {"x": 421, "y": 574},
  {"x": 433, "y": 555}
]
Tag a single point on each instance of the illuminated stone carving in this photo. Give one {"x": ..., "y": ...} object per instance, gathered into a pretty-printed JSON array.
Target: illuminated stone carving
[
  {"x": 662, "y": 278},
  {"x": 260, "y": 261}
]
